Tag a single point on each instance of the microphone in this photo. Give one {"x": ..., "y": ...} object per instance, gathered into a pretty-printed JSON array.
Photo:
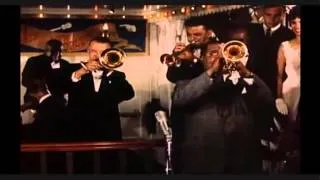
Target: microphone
[
  {"x": 130, "y": 28},
  {"x": 62, "y": 27},
  {"x": 162, "y": 119}
]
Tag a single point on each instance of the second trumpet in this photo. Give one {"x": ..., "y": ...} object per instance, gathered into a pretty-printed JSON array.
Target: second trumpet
[{"x": 174, "y": 58}]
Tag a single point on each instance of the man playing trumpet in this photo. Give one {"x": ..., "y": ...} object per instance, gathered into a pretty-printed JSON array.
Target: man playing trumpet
[
  {"x": 223, "y": 125},
  {"x": 198, "y": 33}
]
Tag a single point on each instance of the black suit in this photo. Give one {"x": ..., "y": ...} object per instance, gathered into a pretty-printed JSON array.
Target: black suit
[
  {"x": 49, "y": 122},
  {"x": 266, "y": 52},
  {"x": 95, "y": 116},
  {"x": 39, "y": 67},
  {"x": 187, "y": 70},
  {"x": 48, "y": 126},
  {"x": 97, "y": 113}
]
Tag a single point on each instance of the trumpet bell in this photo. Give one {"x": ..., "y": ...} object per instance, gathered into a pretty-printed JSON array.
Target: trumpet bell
[
  {"x": 235, "y": 51},
  {"x": 112, "y": 58},
  {"x": 167, "y": 59}
]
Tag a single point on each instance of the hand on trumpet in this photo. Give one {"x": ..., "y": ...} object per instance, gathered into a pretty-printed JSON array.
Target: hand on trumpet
[
  {"x": 185, "y": 54},
  {"x": 241, "y": 68}
]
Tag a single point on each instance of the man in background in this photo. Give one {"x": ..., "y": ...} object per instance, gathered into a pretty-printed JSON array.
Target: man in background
[
  {"x": 49, "y": 67},
  {"x": 198, "y": 33},
  {"x": 269, "y": 37}
]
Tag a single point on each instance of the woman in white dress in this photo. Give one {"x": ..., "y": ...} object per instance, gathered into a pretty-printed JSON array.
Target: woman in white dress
[{"x": 288, "y": 89}]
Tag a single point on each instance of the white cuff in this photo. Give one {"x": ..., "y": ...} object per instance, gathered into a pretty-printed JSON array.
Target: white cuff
[
  {"x": 73, "y": 77},
  {"x": 249, "y": 81}
]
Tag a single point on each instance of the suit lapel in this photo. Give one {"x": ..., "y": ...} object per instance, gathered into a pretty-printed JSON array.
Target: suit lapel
[
  {"x": 89, "y": 84},
  {"x": 104, "y": 81}
]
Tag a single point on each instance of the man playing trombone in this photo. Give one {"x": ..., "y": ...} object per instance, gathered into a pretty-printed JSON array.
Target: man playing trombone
[
  {"x": 223, "y": 120},
  {"x": 95, "y": 91}
]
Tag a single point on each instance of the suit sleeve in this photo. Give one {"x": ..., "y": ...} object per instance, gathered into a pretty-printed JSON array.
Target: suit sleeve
[
  {"x": 187, "y": 91},
  {"x": 124, "y": 91},
  {"x": 174, "y": 74},
  {"x": 263, "y": 104},
  {"x": 28, "y": 72}
]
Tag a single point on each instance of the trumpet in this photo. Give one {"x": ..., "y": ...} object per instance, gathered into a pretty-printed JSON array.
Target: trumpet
[
  {"x": 234, "y": 51},
  {"x": 173, "y": 58},
  {"x": 112, "y": 58}
]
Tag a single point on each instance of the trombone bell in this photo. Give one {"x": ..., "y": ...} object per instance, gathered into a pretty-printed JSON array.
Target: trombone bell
[{"x": 112, "y": 58}]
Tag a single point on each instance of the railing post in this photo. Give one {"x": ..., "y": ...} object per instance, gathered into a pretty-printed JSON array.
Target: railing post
[
  {"x": 123, "y": 161},
  {"x": 96, "y": 162},
  {"x": 43, "y": 162},
  {"x": 69, "y": 159}
]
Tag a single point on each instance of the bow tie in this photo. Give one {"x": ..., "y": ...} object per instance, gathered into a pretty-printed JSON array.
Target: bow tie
[{"x": 97, "y": 74}]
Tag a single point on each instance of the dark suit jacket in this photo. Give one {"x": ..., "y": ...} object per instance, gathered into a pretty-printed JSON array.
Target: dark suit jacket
[
  {"x": 220, "y": 130},
  {"x": 187, "y": 70},
  {"x": 266, "y": 52},
  {"x": 39, "y": 67},
  {"x": 49, "y": 123},
  {"x": 95, "y": 115}
]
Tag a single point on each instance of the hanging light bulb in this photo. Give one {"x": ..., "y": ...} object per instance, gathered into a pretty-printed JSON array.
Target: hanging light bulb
[
  {"x": 68, "y": 7},
  {"x": 158, "y": 7},
  {"x": 173, "y": 12},
  {"x": 183, "y": 10},
  {"x": 68, "y": 16},
  {"x": 111, "y": 10},
  {"x": 96, "y": 16},
  {"x": 193, "y": 8},
  {"x": 123, "y": 8},
  {"x": 105, "y": 27},
  {"x": 41, "y": 15},
  {"x": 40, "y": 7},
  {"x": 203, "y": 6},
  {"x": 96, "y": 8}
]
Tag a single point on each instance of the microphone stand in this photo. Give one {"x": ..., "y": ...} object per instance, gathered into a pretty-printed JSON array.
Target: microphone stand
[
  {"x": 168, "y": 136},
  {"x": 161, "y": 118}
]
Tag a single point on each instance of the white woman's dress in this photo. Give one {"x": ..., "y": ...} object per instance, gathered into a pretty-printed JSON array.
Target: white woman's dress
[{"x": 291, "y": 86}]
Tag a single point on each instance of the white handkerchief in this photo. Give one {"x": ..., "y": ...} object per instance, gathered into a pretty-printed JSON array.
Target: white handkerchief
[
  {"x": 234, "y": 77},
  {"x": 249, "y": 81},
  {"x": 244, "y": 91}
]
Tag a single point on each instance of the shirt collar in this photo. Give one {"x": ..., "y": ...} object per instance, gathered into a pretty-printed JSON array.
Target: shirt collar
[
  {"x": 44, "y": 97},
  {"x": 272, "y": 29}
]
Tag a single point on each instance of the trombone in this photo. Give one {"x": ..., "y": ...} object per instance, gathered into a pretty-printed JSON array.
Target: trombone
[{"x": 110, "y": 58}]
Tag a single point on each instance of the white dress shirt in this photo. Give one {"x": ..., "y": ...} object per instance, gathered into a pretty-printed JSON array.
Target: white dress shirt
[{"x": 97, "y": 75}]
